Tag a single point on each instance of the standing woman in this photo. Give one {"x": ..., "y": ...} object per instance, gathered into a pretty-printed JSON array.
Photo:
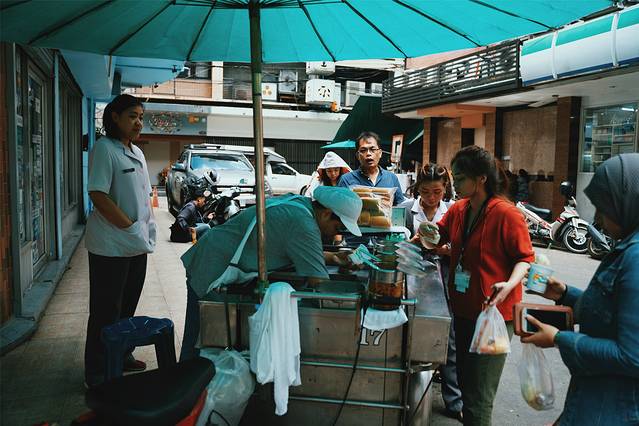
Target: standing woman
[
  {"x": 120, "y": 230},
  {"x": 330, "y": 169},
  {"x": 430, "y": 190},
  {"x": 490, "y": 255}
]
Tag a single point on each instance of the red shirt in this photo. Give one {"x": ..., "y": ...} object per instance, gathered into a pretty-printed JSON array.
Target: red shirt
[{"x": 498, "y": 241}]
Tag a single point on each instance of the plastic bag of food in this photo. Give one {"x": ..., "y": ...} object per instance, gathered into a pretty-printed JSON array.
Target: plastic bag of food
[
  {"x": 535, "y": 378},
  {"x": 491, "y": 334},
  {"x": 229, "y": 390},
  {"x": 377, "y": 206}
]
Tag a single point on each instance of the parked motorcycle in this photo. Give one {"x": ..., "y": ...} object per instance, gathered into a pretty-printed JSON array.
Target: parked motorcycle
[
  {"x": 568, "y": 230},
  {"x": 599, "y": 243},
  {"x": 219, "y": 207}
]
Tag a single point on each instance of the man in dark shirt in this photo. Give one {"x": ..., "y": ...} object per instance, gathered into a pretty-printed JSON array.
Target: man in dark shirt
[
  {"x": 369, "y": 152},
  {"x": 189, "y": 220}
]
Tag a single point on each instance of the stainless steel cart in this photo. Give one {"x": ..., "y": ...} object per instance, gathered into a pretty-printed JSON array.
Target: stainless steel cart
[{"x": 394, "y": 365}]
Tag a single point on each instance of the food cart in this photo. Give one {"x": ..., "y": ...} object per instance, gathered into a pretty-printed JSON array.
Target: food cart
[{"x": 394, "y": 366}]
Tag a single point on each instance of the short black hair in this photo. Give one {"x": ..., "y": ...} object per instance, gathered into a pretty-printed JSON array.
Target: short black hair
[
  {"x": 117, "y": 105},
  {"x": 366, "y": 135}
]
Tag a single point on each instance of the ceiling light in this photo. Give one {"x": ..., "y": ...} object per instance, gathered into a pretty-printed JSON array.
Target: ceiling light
[{"x": 627, "y": 109}]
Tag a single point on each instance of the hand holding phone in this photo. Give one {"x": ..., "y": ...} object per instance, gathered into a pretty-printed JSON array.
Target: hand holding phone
[{"x": 560, "y": 317}]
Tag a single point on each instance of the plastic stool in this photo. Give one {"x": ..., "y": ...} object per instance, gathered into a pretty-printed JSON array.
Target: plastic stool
[{"x": 129, "y": 333}]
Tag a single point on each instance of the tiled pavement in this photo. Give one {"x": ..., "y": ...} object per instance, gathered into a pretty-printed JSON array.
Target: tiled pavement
[{"x": 42, "y": 379}]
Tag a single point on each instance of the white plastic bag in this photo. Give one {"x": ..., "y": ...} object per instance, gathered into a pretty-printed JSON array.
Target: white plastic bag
[
  {"x": 535, "y": 378},
  {"x": 491, "y": 334},
  {"x": 229, "y": 390}
]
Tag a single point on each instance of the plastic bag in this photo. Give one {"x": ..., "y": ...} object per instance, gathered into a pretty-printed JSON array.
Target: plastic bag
[
  {"x": 491, "y": 334},
  {"x": 229, "y": 390},
  {"x": 377, "y": 206},
  {"x": 535, "y": 378}
]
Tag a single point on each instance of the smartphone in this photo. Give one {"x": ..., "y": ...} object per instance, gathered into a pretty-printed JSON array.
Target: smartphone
[
  {"x": 557, "y": 319},
  {"x": 558, "y": 316}
]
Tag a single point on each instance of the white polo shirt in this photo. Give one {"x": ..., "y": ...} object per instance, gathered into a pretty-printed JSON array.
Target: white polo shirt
[{"x": 122, "y": 174}]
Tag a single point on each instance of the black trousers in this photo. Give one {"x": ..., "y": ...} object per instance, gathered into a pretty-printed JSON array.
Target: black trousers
[{"x": 115, "y": 287}]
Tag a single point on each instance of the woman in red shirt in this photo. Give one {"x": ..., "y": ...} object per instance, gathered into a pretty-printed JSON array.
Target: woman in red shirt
[{"x": 490, "y": 254}]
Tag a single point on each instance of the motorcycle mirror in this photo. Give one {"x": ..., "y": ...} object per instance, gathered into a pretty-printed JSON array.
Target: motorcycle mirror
[{"x": 213, "y": 175}]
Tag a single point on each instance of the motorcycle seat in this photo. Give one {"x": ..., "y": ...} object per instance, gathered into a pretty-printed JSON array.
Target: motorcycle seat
[
  {"x": 154, "y": 398},
  {"x": 543, "y": 213}
]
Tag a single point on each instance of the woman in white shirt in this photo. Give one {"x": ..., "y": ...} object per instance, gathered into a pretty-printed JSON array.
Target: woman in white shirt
[
  {"x": 120, "y": 230},
  {"x": 432, "y": 187}
]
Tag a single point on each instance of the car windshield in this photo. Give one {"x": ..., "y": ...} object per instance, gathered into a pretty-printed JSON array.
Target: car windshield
[{"x": 219, "y": 162}]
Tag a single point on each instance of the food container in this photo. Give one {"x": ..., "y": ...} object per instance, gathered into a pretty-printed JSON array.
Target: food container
[
  {"x": 538, "y": 277},
  {"x": 385, "y": 288}
]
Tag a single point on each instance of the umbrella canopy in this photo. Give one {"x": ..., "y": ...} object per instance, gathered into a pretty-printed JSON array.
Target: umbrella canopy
[
  {"x": 291, "y": 30},
  {"x": 349, "y": 144},
  {"x": 278, "y": 31}
]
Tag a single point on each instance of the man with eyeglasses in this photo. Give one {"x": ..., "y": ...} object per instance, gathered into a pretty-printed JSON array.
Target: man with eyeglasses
[{"x": 369, "y": 173}]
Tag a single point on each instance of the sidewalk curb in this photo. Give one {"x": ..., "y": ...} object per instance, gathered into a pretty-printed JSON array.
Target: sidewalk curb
[{"x": 19, "y": 329}]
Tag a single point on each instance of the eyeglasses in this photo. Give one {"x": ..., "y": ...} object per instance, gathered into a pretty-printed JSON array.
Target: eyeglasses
[{"x": 363, "y": 151}]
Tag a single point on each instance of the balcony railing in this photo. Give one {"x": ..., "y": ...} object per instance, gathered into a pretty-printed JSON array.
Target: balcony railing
[{"x": 493, "y": 70}]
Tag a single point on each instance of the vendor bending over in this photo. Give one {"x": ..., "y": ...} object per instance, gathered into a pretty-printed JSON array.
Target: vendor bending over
[
  {"x": 294, "y": 225},
  {"x": 190, "y": 220}
]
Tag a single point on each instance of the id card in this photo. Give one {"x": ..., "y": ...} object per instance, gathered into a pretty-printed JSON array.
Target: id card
[{"x": 462, "y": 279}]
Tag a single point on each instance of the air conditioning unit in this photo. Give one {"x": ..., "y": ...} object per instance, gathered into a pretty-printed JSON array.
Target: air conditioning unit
[
  {"x": 287, "y": 81},
  {"x": 337, "y": 96},
  {"x": 320, "y": 92},
  {"x": 353, "y": 90},
  {"x": 320, "y": 68},
  {"x": 269, "y": 91},
  {"x": 376, "y": 88}
]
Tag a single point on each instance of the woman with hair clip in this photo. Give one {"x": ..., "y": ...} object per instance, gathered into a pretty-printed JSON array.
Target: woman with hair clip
[
  {"x": 490, "y": 255},
  {"x": 430, "y": 190},
  {"x": 120, "y": 230}
]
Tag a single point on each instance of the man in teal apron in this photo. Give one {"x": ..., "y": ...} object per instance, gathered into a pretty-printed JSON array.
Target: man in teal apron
[{"x": 295, "y": 225}]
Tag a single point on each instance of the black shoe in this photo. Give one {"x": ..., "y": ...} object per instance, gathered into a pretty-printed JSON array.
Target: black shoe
[
  {"x": 132, "y": 364},
  {"x": 457, "y": 415}
]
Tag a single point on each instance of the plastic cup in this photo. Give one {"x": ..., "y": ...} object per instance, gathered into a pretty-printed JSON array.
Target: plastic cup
[{"x": 538, "y": 277}]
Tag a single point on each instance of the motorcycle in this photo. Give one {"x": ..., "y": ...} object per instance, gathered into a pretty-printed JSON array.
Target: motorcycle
[
  {"x": 218, "y": 207},
  {"x": 568, "y": 229},
  {"x": 599, "y": 243}
]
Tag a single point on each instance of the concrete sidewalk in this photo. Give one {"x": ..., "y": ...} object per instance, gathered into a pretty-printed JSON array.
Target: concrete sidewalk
[{"x": 42, "y": 379}]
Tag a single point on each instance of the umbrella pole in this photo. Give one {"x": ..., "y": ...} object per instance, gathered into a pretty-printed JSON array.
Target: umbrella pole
[{"x": 258, "y": 135}]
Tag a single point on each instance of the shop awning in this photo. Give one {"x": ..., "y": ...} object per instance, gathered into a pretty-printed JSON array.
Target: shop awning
[
  {"x": 348, "y": 144},
  {"x": 366, "y": 115}
]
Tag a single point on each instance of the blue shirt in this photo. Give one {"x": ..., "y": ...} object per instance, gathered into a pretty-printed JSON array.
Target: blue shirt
[
  {"x": 385, "y": 179},
  {"x": 603, "y": 357}
]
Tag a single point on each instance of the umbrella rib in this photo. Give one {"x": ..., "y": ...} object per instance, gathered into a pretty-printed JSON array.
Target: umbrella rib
[
  {"x": 130, "y": 35},
  {"x": 199, "y": 33},
  {"x": 321, "y": 39},
  {"x": 9, "y": 6},
  {"x": 55, "y": 28},
  {"x": 437, "y": 21},
  {"x": 510, "y": 13},
  {"x": 380, "y": 32}
]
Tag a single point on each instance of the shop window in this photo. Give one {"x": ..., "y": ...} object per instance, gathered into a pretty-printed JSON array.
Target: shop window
[{"x": 608, "y": 131}]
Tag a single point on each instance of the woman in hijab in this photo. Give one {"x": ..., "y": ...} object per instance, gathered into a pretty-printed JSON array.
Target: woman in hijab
[
  {"x": 330, "y": 169},
  {"x": 603, "y": 357}
]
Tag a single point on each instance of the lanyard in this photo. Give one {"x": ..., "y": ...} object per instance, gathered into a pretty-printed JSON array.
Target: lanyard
[{"x": 469, "y": 229}]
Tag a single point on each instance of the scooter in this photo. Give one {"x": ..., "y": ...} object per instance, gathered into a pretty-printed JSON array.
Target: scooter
[
  {"x": 599, "y": 243},
  {"x": 218, "y": 207},
  {"x": 568, "y": 230}
]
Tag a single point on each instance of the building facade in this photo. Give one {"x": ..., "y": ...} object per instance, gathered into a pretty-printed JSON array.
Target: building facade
[{"x": 555, "y": 105}]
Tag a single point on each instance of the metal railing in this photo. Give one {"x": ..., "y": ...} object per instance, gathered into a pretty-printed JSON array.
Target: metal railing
[{"x": 495, "y": 69}]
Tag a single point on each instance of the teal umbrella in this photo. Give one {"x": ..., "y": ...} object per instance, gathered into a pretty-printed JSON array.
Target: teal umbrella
[
  {"x": 278, "y": 31},
  {"x": 348, "y": 144}
]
